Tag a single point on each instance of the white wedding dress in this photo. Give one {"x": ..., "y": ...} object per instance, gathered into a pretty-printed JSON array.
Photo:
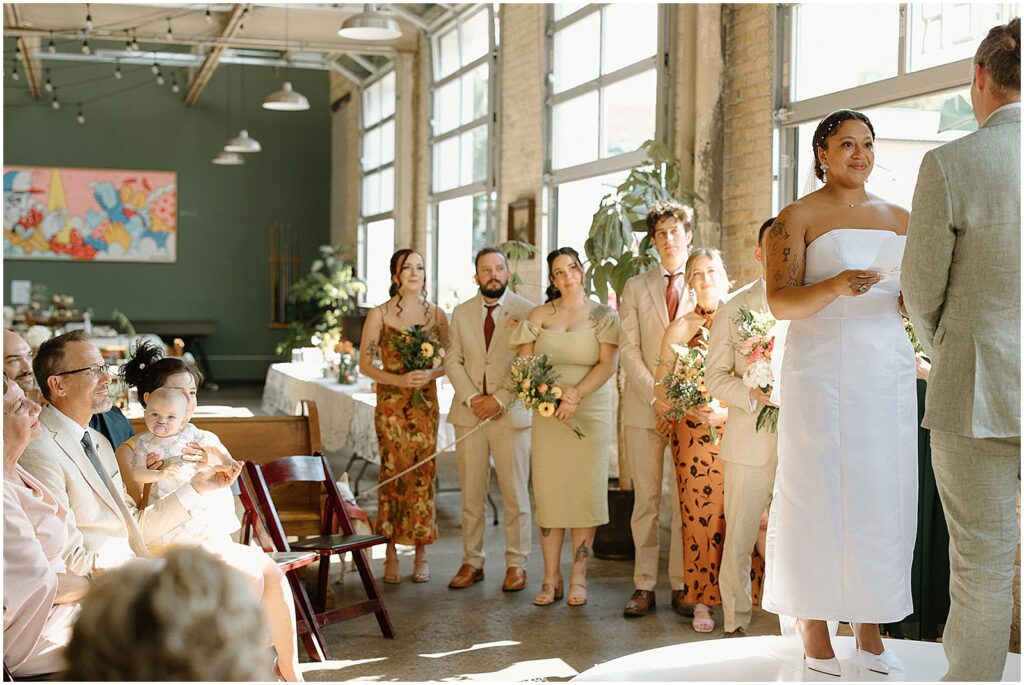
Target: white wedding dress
[{"x": 843, "y": 518}]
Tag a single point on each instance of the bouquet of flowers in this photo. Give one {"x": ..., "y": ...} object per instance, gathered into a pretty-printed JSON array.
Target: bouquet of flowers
[
  {"x": 420, "y": 349},
  {"x": 684, "y": 383},
  {"x": 532, "y": 381},
  {"x": 757, "y": 340},
  {"x": 914, "y": 340},
  {"x": 348, "y": 362}
]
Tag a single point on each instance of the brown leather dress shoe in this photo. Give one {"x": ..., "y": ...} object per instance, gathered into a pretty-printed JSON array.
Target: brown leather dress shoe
[
  {"x": 739, "y": 632},
  {"x": 515, "y": 579},
  {"x": 681, "y": 607},
  {"x": 466, "y": 576},
  {"x": 640, "y": 604}
]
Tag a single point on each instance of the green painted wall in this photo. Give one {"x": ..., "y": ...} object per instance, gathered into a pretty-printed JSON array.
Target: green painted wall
[{"x": 224, "y": 213}]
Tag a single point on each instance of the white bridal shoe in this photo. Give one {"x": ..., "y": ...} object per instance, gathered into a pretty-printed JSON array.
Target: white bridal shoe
[
  {"x": 826, "y": 666},
  {"x": 878, "y": 663}
]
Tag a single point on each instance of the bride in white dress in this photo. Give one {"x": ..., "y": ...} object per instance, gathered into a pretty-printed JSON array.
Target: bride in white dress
[{"x": 842, "y": 523}]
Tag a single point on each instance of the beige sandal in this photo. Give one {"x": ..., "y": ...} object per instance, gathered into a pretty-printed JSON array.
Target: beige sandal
[
  {"x": 549, "y": 593},
  {"x": 702, "y": 619},
  {"x": 577, "y": 599},
  {"x": 391, "y": 574}
]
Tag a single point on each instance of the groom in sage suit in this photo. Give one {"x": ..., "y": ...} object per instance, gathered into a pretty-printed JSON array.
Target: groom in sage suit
[{"x": 961, "y": 286}]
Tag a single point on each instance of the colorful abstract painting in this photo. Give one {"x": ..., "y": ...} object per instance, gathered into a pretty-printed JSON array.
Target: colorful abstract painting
[{"x": 90, "y": 215}]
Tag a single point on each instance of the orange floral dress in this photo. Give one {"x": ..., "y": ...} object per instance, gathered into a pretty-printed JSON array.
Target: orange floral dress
[
  {"x": 406, "y": 512},
  {"x": 701, "y": 486}
]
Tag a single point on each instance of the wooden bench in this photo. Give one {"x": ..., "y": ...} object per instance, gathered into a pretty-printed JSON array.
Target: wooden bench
[{"x": 260, "y": 439}]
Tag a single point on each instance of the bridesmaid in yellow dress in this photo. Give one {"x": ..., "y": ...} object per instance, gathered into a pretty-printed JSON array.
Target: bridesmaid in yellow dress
[
  {"x": 570, "y": 474},
  {"x": 698, "y": 470},
  {"x": 406, "y": 430}
]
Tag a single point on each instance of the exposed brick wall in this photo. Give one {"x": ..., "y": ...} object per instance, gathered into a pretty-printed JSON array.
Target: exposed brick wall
[{"x": 747, "y": 183}]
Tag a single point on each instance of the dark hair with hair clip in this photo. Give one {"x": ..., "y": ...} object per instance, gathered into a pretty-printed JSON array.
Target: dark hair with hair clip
[
  {"x": 999, "y": 55},
  {"x": 148, "y": 369},
  {"x": 552, "y": 293},
  {"x": 398, "y": 261},
  {"x": 828, "y": 127}
]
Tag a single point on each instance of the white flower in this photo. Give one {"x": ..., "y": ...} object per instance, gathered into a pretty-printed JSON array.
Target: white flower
[
  {"x": 758, "y": 375},
  {"x": 36, "y": 336}
]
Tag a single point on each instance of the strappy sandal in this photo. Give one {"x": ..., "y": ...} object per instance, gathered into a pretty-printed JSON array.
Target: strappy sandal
[
  {"x": 549, "y": 593},
  {"x": 702, "y": 619},
  {"x": 420, "y": 571},
  {"x": 391, "y": 574},
  {"x": 577, "y": 599}
]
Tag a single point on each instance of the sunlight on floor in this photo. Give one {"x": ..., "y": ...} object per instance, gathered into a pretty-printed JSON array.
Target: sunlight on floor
[
  {"x": 524, "y": 670},
  {"x": 337, "y": 664},
  {"x": 481, "y": 645}
]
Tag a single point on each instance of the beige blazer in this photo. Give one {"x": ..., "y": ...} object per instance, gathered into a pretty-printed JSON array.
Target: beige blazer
[
  {"x": 961, "y": 279},
  {"x": 99, "y": 536},
  {"x": 644, "y": 317},
  {"x": 742, "y": 443},
  {"x": 467, "y": 361}
]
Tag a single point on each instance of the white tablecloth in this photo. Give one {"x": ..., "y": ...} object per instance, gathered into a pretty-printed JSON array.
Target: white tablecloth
[{"x": 346, "y": 411}]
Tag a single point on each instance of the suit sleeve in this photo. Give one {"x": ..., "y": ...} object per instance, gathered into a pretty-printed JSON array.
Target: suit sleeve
[
  {"x": 719, "y": 373},
  {"x": 931, "y": 240},
  {"x": 630, "y": 355},
  {"x": 454, "y": 362},
  {"x": 46, "y": 469}
]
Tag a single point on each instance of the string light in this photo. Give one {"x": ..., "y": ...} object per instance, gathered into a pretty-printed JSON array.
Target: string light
[
  {"x": 127, "y": 41},
  {"x": 49, "y": 84},
  {"x": 155, "y": 68},
  {"x": 175, "y": 88},
  {"x": 81, "y": 115},
  {"x": 88, "y": 17},
  {"x": 85, "y": 47},
  {"x": 14, "y": 72},
  {"x": 56, "y": 103},
  {"x": 134, "y": 46},
  {"x": 241, "y": 24},
  {"x": 117, "y": 71},
  {"x": 170, "y": 32},
  {"x": 17, "y": 52},
  {"x": 209, "y": 17},
  {"x": 51, "y": 47},
  {"x": 159, "y": 78}
]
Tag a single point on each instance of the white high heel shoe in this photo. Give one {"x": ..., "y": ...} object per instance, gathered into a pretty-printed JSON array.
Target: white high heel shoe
[
  {"x": 867, "y": 661},
  {"x": 826, "y": 666}
]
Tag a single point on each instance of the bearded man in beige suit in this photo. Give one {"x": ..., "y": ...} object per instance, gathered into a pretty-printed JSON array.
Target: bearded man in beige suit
[
  {"x": 749, "y": 456},
  {"x": 961, "y": 286},
  {"x": 477, "y": 365},
  {"x": 649, "y": 303}
]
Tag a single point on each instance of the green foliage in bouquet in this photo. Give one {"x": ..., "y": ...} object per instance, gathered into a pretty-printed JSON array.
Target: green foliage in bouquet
[{"x": 319, "y": 301}]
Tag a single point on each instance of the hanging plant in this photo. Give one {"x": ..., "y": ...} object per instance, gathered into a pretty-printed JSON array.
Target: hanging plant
[{"x": 516, "y": 251}]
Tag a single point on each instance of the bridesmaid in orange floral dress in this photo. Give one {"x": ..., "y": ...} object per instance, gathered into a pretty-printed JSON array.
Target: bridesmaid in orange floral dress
[
  {"x": 407, "y": 414},
  {"x": 698, "y": 469}
]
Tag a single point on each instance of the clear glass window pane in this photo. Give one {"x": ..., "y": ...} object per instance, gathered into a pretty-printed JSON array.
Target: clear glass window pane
[
  {"x": 905, "y": 132},
  {"x": 387, "y": 142},
  {"x": 474, "y": 94},
  {"x": 455, "y": 251},
  {"x": 474, "y": 155},
  {"x": 475, "y": 37},
  {"x": 371, "y": 194},
  {"x": 574, "y": 134},
  {"x": 387, "y": 95},
  {"x": 379, "y": 245},
  {"x": 446, "y": 107},
  {"x": 446, "y": 164},
  {"x": 371, "y": 105},
  {"x": 628, "y": 117},
  {"x": 387, "y": 189},
  {"x": 869, "y": 31},
  {"x": 371, "y": 148},
  {"x": 564, "y": 9},
  {"x": 577, "y": 50},
  {"x": 577, "y": 202},
  {"x": 447, "y": 54},
  {"x": 630, "y": 35},
  {"x": 943, "y": 33}
]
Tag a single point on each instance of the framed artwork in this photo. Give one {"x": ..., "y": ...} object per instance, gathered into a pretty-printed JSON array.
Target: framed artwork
[
  {"x": 521, "y": 221},
  {"x": 90, "y": 215}
]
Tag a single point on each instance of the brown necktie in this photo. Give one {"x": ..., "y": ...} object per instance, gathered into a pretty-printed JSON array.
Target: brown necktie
[
  {"x": 672, "y": 296},
  {"x": 488, "y": 333}
]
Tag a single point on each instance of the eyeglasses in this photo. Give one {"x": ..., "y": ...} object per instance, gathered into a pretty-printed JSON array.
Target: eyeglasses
[{"x": 97, "y": 371}]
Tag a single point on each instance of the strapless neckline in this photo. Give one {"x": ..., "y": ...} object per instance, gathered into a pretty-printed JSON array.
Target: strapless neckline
[{"x": 873, "y": 230}]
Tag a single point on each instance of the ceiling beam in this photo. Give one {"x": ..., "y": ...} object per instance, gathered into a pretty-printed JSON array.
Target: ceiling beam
[
  {"x": 28, "y": 47},
  {"x": 203, "y": 75},
  {"x": 414, "y": 19},
  {"x": 346, "y": 73},
  {"x": 364, "y": 63}
]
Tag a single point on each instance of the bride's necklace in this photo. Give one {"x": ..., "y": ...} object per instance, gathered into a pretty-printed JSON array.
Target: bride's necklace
[{"x": 851, "y": 205}]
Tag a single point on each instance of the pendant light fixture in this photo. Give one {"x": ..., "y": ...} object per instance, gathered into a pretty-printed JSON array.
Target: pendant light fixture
[
  {"x": 286, "y": 99},
  {"x": 225, "y": 158},
  {"x": 243, "y": 142},
  {"x": 370, "y": 25}
]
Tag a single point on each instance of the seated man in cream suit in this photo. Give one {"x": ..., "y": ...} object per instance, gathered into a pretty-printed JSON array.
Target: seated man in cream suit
[
  {"x": 477, "y": 364},
  {"x": 77, "y": 464},
  {"x": 749, "y": 456},
  {"x": 649, "y": 303}
]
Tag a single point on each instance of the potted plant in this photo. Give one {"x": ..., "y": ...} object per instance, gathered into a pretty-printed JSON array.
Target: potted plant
[
  {"x": 516, "y": 251},
  {"x": 320, "y": 301}
]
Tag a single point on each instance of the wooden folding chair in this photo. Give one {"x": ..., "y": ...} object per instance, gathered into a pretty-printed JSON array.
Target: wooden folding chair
[
  {"x": 290, "y": 563},
  {"x": 315, "y": 469}
]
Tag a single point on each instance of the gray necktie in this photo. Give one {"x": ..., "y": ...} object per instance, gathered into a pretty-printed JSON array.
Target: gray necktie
[{"x": 134, "y": 536}]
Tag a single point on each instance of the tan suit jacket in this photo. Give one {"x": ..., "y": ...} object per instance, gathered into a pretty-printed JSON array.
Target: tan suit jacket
[
  {"x": 99, "y": 536},
  {"x": 961, "y": 279},
  {"x": 742, "y": 443},
  {"x": 644, "y": 318},
  {"x": 467, "y": 361}
]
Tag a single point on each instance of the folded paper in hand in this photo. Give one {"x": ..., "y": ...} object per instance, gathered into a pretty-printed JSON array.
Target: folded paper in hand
[{"x": 890, "y": 256}]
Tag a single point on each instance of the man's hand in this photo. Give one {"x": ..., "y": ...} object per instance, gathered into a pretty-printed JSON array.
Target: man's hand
[
  {"x": 661, "y": 409},
  {"x": 764, "y": 398},
  {"x": 485, "y": 406},
  {"x": 216, "y": 477}
]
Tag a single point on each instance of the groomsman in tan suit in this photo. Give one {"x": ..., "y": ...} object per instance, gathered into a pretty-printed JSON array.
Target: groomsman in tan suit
[
  {"x": 477, "y": 364},
  {"x": 77, "y": 464},
  {"x": 649, "y": 302},
  {"x": 749, "y": 456},
  {"x": 961, "y": 285}
]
